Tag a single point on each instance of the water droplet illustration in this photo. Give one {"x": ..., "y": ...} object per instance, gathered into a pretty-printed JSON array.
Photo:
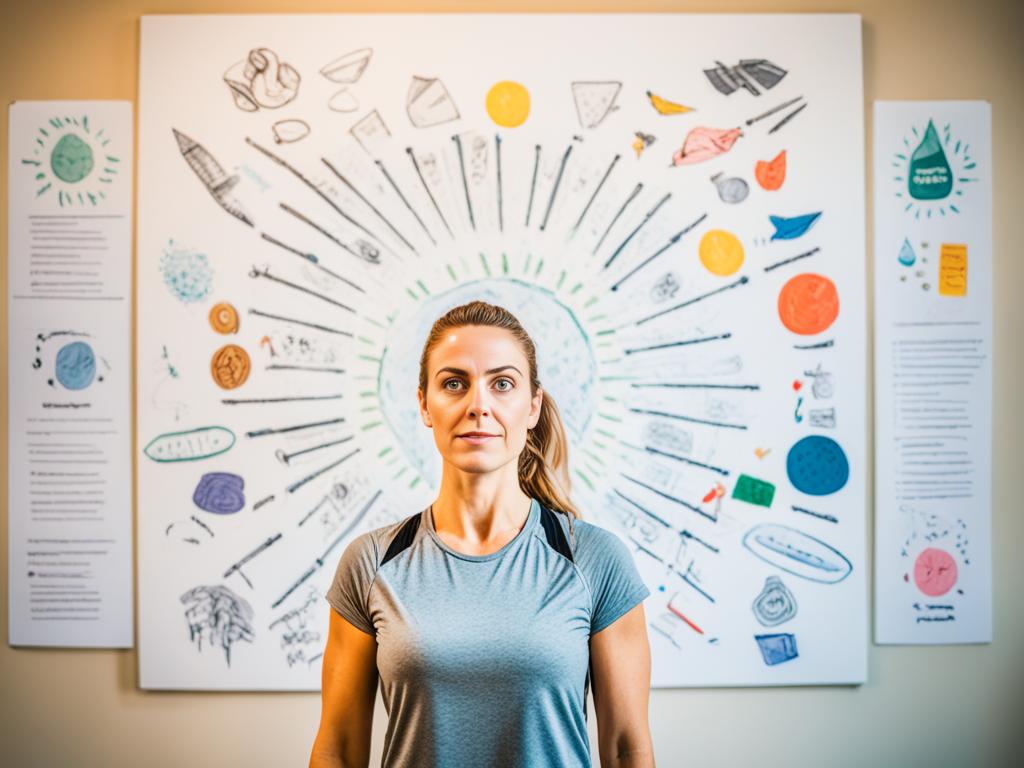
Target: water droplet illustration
[
  {"x": 930, "y": 177},
  {"x": 907, "y": 256}
]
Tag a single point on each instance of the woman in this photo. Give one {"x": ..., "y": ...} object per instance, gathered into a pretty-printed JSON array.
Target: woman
[{"x": 488, "y": 615}]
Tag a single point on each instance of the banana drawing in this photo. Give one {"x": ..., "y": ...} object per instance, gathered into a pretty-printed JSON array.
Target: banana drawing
[{"x": 666, "y": 107}]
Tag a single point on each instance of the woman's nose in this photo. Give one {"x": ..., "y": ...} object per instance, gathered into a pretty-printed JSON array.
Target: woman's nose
[{"x": 478, "y": 405}]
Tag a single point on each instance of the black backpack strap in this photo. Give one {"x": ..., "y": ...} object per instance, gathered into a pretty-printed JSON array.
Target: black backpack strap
[
  {"x": 553, "y": 530},
  {"x": 404, "y": 538}
]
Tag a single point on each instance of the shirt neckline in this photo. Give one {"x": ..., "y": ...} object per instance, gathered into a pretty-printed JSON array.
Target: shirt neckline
[{"x": 531, "y": 523}]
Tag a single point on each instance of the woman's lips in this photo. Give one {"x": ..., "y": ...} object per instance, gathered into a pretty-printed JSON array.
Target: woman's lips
[{"x": 477, "y": 439}]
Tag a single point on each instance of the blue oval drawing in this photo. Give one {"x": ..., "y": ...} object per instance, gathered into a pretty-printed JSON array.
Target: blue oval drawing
[
  {"x": 798, "y": 553},
  {"x": 817, "y": 466},
  {"x": 792, "y": 228},
  {"x": 76, "y": 365},
  {"x": 221, "y": 493}
]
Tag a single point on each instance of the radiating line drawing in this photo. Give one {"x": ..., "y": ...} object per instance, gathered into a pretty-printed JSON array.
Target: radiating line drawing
[
  {"x": 426, "y": 187},
  {"x": 787, "y": 118},
  {"x": 352, "y": 188},
  {"x": 595, "y": 100},
  {"x": 671, "y": 241},
  {"x": 594, "y": 194},
  {"x": 747, "y": 74},
  {"x": 618, "y": 214},
  {"x": 219, "y": 617},
  {"x": 633, "y": 232},
  {"x": 533, "y": 182},
  {"x": 210, "y": 172},
  {"x": 262, "y": 80},
  {"x": 554, "y": 188},
  {"x": 405, "y": 201},
  {"x": 428, "y": 103},
  {"x": 260, "y": 549}
]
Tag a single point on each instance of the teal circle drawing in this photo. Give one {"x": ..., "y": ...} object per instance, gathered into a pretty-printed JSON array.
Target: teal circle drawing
[
  {"x": 71, "y": 159},
  {"x": 817, "y": 466},
  {"x": 76, "y": 365}
]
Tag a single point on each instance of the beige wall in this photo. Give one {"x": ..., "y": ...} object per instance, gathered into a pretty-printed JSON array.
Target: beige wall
[{"x": 946, "y": 706}]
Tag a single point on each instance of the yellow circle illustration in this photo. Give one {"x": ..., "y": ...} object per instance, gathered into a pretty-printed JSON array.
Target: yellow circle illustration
[
  {"x": 508, "y": 103},
  {"x": 721, "y": 252}
]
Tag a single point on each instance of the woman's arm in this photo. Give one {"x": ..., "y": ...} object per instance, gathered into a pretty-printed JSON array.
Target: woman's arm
[
  {"x": 620, "y": 658},
  {"x": 348, "y": 695}
]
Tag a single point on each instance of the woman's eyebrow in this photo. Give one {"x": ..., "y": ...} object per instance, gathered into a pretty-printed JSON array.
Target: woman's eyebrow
[{"x": 486, "y": 373}]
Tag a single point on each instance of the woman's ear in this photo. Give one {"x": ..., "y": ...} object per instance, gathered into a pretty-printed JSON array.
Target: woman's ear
[
  {"x": 535, "y": 407},
  {"x": 424, "y": 413}
]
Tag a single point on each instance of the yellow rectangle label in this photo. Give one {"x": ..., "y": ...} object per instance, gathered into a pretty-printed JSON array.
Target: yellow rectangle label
[{"x": 953, "y": 270}]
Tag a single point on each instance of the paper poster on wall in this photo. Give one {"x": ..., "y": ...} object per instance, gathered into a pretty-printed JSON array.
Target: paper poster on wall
[
  {"x": 933, "y": 371},
  {"x": 69, "y": 377},
  {"x": 671, "y": 204}
]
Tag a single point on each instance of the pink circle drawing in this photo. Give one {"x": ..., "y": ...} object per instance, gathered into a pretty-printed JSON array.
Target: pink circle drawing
[{"x": 935, "y": 572}]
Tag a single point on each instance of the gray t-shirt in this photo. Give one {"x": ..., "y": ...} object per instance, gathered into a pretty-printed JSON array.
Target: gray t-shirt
[{"x": 483, "y": 658}]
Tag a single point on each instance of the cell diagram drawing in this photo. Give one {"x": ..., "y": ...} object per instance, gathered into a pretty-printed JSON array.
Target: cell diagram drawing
[{"x": 673, "y": 207}]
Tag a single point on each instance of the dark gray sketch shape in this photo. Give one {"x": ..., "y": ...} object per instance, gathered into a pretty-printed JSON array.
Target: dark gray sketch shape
[
  {"x": 262, "y": 80},
  {"x": 428, "y": 103},
  {"x": 218, "y": 616},
  {"x": 349, "y": 67},
  {"x": 210, "y": 172},
  {"x": 595, "y": 100},
  {"x": 288, "y": 131}
]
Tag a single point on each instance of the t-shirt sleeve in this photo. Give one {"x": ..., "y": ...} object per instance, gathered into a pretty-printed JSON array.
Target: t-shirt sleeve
[
  {"x": 350, "y": 589},
  {"x": 615, "y": 582}
]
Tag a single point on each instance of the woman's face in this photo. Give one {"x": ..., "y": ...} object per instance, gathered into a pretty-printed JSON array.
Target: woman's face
[{"x": 478, "y": 381}]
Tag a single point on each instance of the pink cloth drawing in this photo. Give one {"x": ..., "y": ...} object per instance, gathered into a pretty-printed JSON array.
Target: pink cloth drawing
[{"x": 705, "y": 143}]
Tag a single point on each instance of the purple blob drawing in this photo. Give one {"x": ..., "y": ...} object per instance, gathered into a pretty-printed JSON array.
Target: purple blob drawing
[{"x": 221, "y": 493}]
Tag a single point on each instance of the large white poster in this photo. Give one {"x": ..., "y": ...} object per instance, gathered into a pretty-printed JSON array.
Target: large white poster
[
  {"x": 933, "y": 371},
  {"x": 672, "y": 205}
]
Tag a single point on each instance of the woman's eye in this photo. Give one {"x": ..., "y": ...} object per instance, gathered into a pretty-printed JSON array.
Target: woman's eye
[
  {"x": 507, "y": 381},
  {"x": 449, "y": 381}
]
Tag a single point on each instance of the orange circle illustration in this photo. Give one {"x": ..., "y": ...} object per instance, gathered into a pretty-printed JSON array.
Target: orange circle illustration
[
  {"x": 808, "y": 304},
  {"x": 224, "y": 318},
  {"x": 230, "y": 366}
]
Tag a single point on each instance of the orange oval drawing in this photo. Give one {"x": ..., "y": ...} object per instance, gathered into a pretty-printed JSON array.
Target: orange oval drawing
[
  {"x": 224, "y": 318},
  {"x": 230, "y": 366},
  {"x": 771, "y": 174},
  {"x": 808, "y": 304}
]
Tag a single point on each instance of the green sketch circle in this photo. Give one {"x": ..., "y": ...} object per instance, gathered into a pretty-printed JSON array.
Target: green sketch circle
[{"x": 71, "y": 159}]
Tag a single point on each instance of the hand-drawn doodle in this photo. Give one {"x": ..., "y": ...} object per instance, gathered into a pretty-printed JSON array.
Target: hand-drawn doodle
[
  {"x": 218, "y": 616},
  {"x": 348, "y": 68},
  {"x": 186, "y": 273},
  {"x": 642, "y": 142},
  {"x": 787, "y": 118},
  {"x": 731, "y": 189},
  {"x": 229, "y": 366},
  {"x": 817, "y": 465},
  {"x": 595, "y": 101},
  {"x": 824, "y": 418},
  {"x": 720, "y": 252},
  {"x": 794, "y": 227},
  {"x": 262, "y": 80},
  {"x": 221, "y": 493},
  {"x": 937, "y": 170},
  {"x": 727, "y": 79},
  {"x": 775, "y": 604},
  {"x": 299, "y": 631},
  {"x": 665, "y": 287},
  {"x": 666, "y": 107},
  {"x": 289, "y": 131},
  {"x": 428, "y": 103},
  {"x": 822, "y": 383},
  {"x": 929, "y": 176},
  {"x": 371, "y": 132},
  {"x": 213, "y": 176},
  {"x": 224, "y": 318},
  {"x": 753, "y": 491},
  {"x": 935, "y": 571},
  {"x": 75, "y": 367},
  {"x": 70, "y": 149},
  {"x": 262, "y": 547},
  {"x": 797, "y": 552},
  {"x": 190, "y": 530},
  {"x": 508, "y": 103},
  {"x": 191, "y": 445},
  {"x": 343, "y": 101},
  {"x": 952, "y": 270},
  {"x": 808, "y": 304},
  {"x": 907, "y": 257},
  {"x": 771, "y": 174},
  {"x": 776, "y": 649},
  {"x": 704, "y": 143}
]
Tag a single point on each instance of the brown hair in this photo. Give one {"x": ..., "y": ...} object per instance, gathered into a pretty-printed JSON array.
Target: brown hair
[{"x": 544, "y": 462}]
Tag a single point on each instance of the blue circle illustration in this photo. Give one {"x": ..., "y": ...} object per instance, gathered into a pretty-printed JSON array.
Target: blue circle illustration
[
  {"x": 817, "y": 466},
  {"x": 76, "y": 365}
]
